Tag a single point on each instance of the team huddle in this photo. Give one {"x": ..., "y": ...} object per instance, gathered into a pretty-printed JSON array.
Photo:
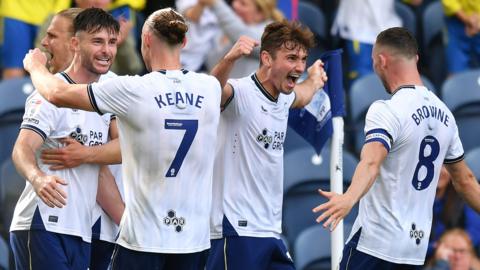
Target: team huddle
[{"x": 195, "y": 188}]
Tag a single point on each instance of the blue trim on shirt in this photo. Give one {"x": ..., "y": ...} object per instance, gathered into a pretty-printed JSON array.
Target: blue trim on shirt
[
  {"x": 92, "y": 99},
  {"x": 454, "y": 160},
  {"x": 380, "y": 130},
  {"x": 35, "y": 129},
  {"x": 379, "y": 140}
]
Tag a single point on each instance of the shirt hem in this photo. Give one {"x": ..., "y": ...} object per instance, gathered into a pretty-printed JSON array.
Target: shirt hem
[{"x": 388, "y": 258}]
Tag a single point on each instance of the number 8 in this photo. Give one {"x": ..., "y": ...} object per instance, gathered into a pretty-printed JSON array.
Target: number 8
[{"x": 426, "y": 161}]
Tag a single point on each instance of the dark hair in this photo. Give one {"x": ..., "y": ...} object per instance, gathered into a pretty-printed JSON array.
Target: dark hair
[
  {"x": 287, "y": 34},
  {"x": 400, "y": 40},
  {"x": 93, "y": 20},
  {"x": 168, "y": 25}
]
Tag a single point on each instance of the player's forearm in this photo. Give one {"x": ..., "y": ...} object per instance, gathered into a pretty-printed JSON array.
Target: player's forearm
[
  {"x": 105, "y": 154},
  {"x": 195, "y": 12},
  {"x": 468, "y": 187},
  {"x": 222, "y": 70},
  {"x": 23, "y": 158},
  {"x": 46, "y": 84},
  {"x": 363, "y": 178},
  {"x": 108, "y": 195},
  {"x": 304, "y": 92}
]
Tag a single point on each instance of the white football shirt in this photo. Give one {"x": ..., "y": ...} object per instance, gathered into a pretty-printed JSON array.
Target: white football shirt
[
  {"x": 52, "y": 124},
  {"x": 249, "y": 168},
  {"x": 420, "y": 134},
  {"x": 167, "y": 123}
]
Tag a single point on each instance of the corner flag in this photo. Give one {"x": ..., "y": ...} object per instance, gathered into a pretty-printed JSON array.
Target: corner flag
[{"x": 314, "y": 122}]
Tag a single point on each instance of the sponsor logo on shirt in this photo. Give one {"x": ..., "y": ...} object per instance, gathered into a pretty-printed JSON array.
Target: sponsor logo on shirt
[
  {"x": 271, "y": 140},
  {"x": 176, "y": 222},
  {"x": 416, "y": 234}
]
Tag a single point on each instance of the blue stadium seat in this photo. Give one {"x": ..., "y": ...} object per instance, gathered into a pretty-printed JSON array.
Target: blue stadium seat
[
  {"x": 13, "y": 94},
  {"x": 302, "y": 179},
  {"x": 408, "y": 17},
  {"x": 363, "y": 93},
  {"x": 433, "y": 23},
  {"x": 294, "y": 141},
  {"x": 461, "y": 93},
  {"x": 4, "y": 254},
  {"x": 472, "y": 158},
  {"x": 11, "y": 186},
  {"x": 313, "y": 248},
  {"x": 313, "y": 17}
]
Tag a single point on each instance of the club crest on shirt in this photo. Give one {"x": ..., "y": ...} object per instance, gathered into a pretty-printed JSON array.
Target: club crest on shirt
[{"x": 176, "y": 222}]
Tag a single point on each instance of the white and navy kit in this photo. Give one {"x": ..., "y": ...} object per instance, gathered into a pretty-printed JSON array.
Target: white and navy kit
[
  {"x": 250, "y": 167},
  {"x": 167, "y": 122},
  {"x": 58, "y": 238},
  {"x": 420, "y": 134},
  {"x": 52, "y": 124},
  {"x": 248, "y": 180}
]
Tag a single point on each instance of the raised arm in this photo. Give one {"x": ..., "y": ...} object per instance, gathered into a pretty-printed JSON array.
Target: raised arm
[
  {"x": 47, "y": 187},
  {"x": 338, "y": 206},
  {"x": 221, "y": 71},
  {"x": 53, "y": 89},
  {"x": 305, "y": 90},
  {"x": 465, "y": 183}
]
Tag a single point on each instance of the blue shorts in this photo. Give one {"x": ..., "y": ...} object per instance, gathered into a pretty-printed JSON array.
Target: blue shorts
[
  {"x": 252, "y": 253},
  {"x": 127, "y": 259},
  {"x": 352, "y": 259},
  {"x": 40, "y": 249},
  {"x": 460, "y": 47},
  {"x": 19, "y": 37},
  {"x": 101, "y": 254},
  {"x": 359, "y": 59}
]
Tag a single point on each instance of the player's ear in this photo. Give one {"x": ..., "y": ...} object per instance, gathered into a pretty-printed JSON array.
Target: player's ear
[
  {"x": 184, "y": 42},
  {"x": 266, "y": 58},
  {"x": 382, "y": 59},
  {"x": 74, "y": 43}
]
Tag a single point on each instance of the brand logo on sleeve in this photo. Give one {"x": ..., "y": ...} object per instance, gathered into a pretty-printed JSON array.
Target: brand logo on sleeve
[{"x": 416, "y": 234}]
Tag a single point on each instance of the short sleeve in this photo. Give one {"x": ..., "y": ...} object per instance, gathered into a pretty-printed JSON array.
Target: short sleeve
[
  {"x": 232, "y": 104},
  {"x": 381, "y": 125},
  {"x": 40, "y": 115},
  {"x": 455, "y": 151},
  {"x": 114, "y": 96}
]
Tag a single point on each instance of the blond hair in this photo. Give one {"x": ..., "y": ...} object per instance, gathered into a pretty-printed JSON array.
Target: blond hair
[{"x": 269, "y": 9}]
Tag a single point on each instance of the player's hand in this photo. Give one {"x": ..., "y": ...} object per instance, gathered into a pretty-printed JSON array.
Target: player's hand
[
  {"x": 337, "y": 207},
  {"x": 317, "y": 74},
  {"x": 49, "y": 190},
  {"x": 34, "y": 58},
  {"x": 71, "y": 155},
  {"x": 125, "y": 27},
  {"x": 244, "y": 46},
  {"x": 442, "y": 252}
]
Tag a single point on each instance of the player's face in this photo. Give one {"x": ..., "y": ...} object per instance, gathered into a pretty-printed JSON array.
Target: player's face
[
  {"x": 57, "y": 44},
  {"x": 97, "y": 50},
  {"x": 248, "y": 11},
  {"x": 287, "y": 66}
]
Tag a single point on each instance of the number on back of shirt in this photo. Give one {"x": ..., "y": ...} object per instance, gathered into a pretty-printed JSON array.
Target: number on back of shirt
[
  {"x": 190, "y": 127},
  {"x": 429, "y": 150}
]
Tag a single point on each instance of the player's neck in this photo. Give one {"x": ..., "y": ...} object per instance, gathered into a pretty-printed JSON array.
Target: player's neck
[
  {"x": 81, "y": 75},
  {"x": 402, "y": 78},
  {"x": 264, "y": 77},
  {"x": 165, "y": 58}
]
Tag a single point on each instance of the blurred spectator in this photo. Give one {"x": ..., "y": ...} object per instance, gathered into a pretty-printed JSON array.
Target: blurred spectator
[
  {"x": 454, "y": 251},
  {"x": 21, "y": 21},
  {"x": 450, "y": 211},
  {"x": 202, "y": 33},
  {"x": 245, "y": 17},
  {"x": 463, "y": 38},
  {"x": 358, "y": 23}
]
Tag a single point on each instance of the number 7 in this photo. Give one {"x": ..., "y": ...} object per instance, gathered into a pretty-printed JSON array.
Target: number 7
[{"x": 190, "y": 127}]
